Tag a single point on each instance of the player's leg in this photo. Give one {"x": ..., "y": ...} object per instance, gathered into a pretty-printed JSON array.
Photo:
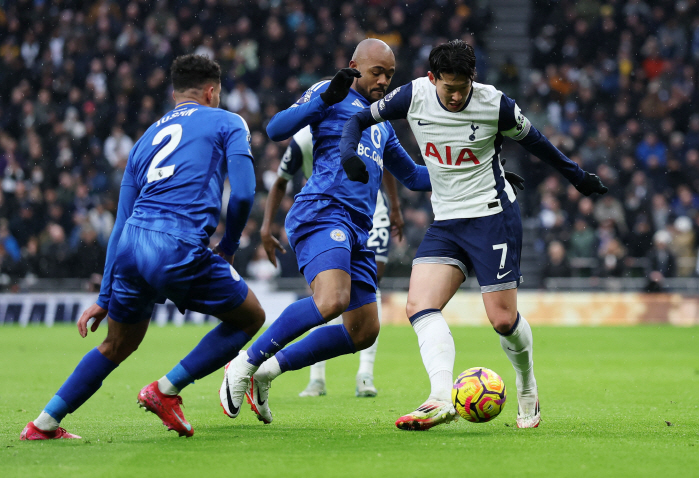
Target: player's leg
[
  {"x": 367, "y": 357},
  {"x": 121, "y": 341},
  {"x": 432, "y": 285},
  {"x": 316, "y": 384},
  {"x": 496, "y": 256}
]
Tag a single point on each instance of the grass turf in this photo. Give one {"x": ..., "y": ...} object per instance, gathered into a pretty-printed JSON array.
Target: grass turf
[{"x": 615, "y": 402}]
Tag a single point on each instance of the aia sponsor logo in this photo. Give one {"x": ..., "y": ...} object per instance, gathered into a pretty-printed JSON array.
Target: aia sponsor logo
[{"x": 465, "y": 155}]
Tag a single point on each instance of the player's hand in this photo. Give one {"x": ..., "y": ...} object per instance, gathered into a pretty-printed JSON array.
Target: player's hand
[
  {"x": 515, "y": 180},
  {"x": 339, "y": 86},
  {"x": 590, "y": 184},
  {"x": 225, "y": 256},
  {"x": 93, "y": 311},
  {"x": 356, "y": 170},
  {"x": 271, "y": 245},
  {"x": 397, "y": 223}
]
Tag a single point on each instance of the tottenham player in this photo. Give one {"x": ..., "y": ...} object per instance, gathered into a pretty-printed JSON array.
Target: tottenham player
[
  {"x": 459, "y": 125},
  {"x": 328, "y": 227},
  {"x": 299, "y": 156},
  {"x": 169, "y": 206}
]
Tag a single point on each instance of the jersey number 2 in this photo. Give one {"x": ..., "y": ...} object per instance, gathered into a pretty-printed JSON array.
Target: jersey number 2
[{"x": 174, "y": 131}]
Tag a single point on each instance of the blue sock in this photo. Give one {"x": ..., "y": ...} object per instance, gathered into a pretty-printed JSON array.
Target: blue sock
[
  {"x": 298, "y": 318},
  {"x": 85, "y": 380},
  {"x": 215, "y": 350},
  {"x": 321, "y": 344}
]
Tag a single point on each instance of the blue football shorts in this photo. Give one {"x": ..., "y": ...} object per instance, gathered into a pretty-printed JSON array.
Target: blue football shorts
[
  {"x": 151, "y": 264},
  {"x": 491, "y": 246},
  {"x": 323, "y": 237}
]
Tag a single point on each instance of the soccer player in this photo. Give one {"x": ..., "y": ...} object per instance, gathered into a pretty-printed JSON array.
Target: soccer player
[
  {"x": 459, "y": 125},
  {"x": 169, "y": 206},
  {"x": 299, "y": 156},
  {"x": 328, "y": 227}
]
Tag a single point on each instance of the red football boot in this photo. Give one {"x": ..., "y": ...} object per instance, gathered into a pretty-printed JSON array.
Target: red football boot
[
  {"x": 31, "y": 432},
  {"x": 167, "y": 407}
]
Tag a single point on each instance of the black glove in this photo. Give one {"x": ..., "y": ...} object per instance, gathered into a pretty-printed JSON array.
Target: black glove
[
  {"x": 355, "y": 169},
  {"x": 591, "y": 183},
  {"x": 515, "y": 180},
  {"x": 339, "y": 86}
]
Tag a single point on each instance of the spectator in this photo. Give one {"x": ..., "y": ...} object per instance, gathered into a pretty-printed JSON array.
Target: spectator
[
  {"x": 117, "y": 147},
  {"x": 557, "y": 265},
  {"x": 661, "y": 261}
]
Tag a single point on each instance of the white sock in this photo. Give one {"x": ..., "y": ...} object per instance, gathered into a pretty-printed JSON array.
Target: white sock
[
  {"x": 270, "y": 368},
  {"x": 166, "y": 387},
  {"x": 367, "y": 357},
  {"x": 438, "y": 353},
  {"x": 518, "y": 347},
  {"x": 46, "y": 422}
]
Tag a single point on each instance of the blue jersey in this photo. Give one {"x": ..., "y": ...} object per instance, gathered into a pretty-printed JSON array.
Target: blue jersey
[
  {"x": 378, "y": 146},
  {"x": 174, "y": 180}
]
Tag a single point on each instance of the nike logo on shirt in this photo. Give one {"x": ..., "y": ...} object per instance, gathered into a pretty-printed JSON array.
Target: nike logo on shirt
[
  {"x": 422, "y": 123},
  {"x": 503, "y": 275}
]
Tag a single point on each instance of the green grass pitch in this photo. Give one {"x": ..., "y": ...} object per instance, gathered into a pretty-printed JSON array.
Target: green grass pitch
[{"x": 615, "y": 402}]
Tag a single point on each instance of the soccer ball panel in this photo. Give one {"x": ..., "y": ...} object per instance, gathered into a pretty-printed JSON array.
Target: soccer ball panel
[{"x": 479, "y": 394}]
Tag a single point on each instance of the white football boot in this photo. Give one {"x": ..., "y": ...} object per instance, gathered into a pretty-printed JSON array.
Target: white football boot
[
  {"x": 429, "y": 414},
  {"x": 315, "y": 388},
  {"x": 258, "y": 395},
  {"x": 365, "y": 386},
  {"x": 528, "y": 411},
  {"x": 236, "y": 382}
]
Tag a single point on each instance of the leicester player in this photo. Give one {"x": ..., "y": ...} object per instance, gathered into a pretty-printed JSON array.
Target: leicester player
[
  {"x": 460, "y": 125},
  {"x": 328, "y": 226},
  {"x": 169, "y": 206},
  {"x": 299, "y": 156}
]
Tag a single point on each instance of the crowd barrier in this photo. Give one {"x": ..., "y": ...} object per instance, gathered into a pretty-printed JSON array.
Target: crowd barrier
[{"x": 466, "y": 308}]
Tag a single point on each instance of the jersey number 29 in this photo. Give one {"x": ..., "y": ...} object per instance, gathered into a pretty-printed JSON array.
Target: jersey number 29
[{"x": 174, "y": 131}]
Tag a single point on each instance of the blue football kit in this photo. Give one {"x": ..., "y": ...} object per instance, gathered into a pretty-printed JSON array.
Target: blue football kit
[
  {"x": 328, "y": 224},
  {"x": 169, "y": 206}
]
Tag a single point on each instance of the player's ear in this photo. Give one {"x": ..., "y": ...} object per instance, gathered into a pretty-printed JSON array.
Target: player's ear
[
  {"x": 431, "y": 77},
  {"x": 353, "y": 64}
]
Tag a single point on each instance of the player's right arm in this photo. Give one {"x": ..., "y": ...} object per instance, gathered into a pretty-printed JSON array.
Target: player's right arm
[
  {"x": 291, "y": 163},
  {"x": 313, "y": 106},
  {"x": 394, "y": 106},
  {"x": 127, "y": 198}
]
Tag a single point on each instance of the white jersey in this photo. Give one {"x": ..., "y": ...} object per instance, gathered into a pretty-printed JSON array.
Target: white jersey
[
  {"x": 461, "y": 149},
  {"x": 299, "y": 155}
]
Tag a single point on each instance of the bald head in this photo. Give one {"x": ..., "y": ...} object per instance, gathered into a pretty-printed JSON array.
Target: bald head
[
  {"x": 375, "y": 61},
  {"x": 372, "y": 48}
]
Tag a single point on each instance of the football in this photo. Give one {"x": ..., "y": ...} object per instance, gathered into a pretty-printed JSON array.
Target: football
[{"x": 479, "y": 394}]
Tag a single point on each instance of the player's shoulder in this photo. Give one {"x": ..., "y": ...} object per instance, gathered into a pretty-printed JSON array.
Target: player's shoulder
[
  {"x": 421, "y": 85},
  {"x": 313, "y": 91},
  {"x": 227, "y": 118},
  {"x": 486, "y": 93}
]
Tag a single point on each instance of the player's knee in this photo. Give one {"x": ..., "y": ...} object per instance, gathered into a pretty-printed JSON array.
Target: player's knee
[
  {"x": 503, "y": 320},
  {"x": 258, "y": 319},
  {"x": 413, "y": 307},
  {"x": 331, "y": 305},
  {"x": 366, "y": 336},
  {"x": 118, "y": 349}
]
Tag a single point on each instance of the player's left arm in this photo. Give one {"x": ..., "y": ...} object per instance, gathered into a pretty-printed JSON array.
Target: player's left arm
[
  {"x": 127, "y": 198},
  {"x": 241, "y": 175},
  {"x": 395, "y": 214},
  {"x": 401, "y": 165},
  {"x": 514, "y": 124},
  {"x": 394, "y": 106}
]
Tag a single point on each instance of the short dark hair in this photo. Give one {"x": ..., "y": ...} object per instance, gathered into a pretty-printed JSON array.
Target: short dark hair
[
  {"x": 193, "y": 71},
  {"x": 455, "y": 57}
]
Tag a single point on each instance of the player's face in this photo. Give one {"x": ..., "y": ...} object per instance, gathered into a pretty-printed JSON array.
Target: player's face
[
  {"x": 376, "y": 76},
  {"x": 452, "y": 90}
]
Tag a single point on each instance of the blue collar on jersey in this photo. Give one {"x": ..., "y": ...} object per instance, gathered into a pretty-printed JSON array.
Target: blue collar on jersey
[
  {"x": 468, "y": 100},
  {"x": 187, "y": 103}
]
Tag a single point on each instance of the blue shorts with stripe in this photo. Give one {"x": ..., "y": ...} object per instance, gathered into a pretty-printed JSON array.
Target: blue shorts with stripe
[
  {"x": 150, "y": 265},
  {"x": 324, "y": 237},
  {"x": 490, "y": 246}
]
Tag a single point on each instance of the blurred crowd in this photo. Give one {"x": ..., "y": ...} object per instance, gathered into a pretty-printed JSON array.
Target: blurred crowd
[{"x": 613, "y": 85}]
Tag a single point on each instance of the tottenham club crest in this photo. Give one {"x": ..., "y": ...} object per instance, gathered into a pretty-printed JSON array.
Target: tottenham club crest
[{"x": 338, "y": 235}]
